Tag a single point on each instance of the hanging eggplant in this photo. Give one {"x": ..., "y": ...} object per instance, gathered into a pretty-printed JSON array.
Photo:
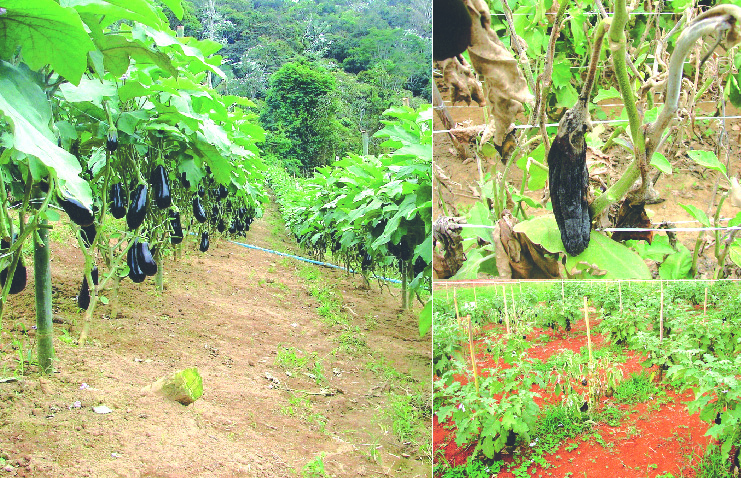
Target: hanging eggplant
[
  {"x": 198, "y": 211},
  {"x": 88, "y": 234},
  {"x": 145, "y": 259},
  {"x": 223, "y": 192},
  {"x": 201, "y": 191},
  {"x": 19, "y": 276},
  {"x": 77, "y": 212},
  {"x": 221, "y": 226},
  {"x": 137, "y": 207},
  {"x": 204, "y": 241},
  {"x": 184, "y": 180},
  {"x": 83, "y": 298},
  {"x": 117, "y": 197},
  {"x": 161, "y": 187},
  {"x": 111, "y": 141},
  {"x": 176, "y": 236},
  {"x": 135, "y": 272}
]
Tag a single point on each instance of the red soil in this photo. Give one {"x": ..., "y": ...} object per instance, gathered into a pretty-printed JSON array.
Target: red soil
[{"x": 652, "y": 439}]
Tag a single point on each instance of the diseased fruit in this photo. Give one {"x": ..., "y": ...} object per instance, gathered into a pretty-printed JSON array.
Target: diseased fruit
[
  {"x": 137, "y": 207},
  {"x": 19, "y": 276},
  {"x": 204, "y": 242},
  {"x": 176, "y": 237},
  {"x": 135, "y": 272},
  {"x": 145, "y": 259},
  {"x": 161, "y": 186},
  {"x": 198, "y": 211},
  {"x": 77, "y": 212},
  {"x": 568, "y": 178},
  {"x": 117, "y": 197}
]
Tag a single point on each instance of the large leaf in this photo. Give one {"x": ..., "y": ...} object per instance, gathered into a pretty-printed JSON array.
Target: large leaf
[
  {"x": 677, "y": 265},
  {"x": 697, "y": 213},
  {"x": 602, "y": 255},
  {"x": 481, "y": 260},
  {"x": 27, "y": 111},
  {"x": 708, "y": 159},
  {"x": 88, "y": 90},
  {"x": 48, "y": 34}
]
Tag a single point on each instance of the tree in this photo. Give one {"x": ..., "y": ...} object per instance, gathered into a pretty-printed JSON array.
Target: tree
[{"x": 300, "y": 103}]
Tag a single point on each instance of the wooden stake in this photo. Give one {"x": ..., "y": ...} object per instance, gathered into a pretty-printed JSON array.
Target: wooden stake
[
  {"x": 473, "y": 355},
  {"x": 589, "y": 336},
  {"x": 661, "y": 314},
  {"x": 506, "y": 313}
]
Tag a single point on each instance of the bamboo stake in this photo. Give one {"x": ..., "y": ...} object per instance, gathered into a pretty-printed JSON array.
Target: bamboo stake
[
  {"x": 661, "y": 314},
  {"x": 506, "y": 313},
  {"x": 589, "y": 335},
  {"x": 473, "y": 355}
]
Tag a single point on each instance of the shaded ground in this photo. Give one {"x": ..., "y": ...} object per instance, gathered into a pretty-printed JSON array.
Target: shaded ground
[{"x": 356, "y": 402}]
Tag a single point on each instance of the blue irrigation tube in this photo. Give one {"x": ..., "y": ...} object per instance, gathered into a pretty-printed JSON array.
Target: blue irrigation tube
[{"x": 325, "y": 264}]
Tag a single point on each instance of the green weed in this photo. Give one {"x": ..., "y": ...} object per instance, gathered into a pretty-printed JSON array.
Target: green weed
[{"x": 315, "y": 468}]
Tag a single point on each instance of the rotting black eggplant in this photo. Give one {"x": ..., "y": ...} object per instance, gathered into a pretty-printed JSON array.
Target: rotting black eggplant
[
  {"x": 198, "y": 211},
  {"x": 88, "y": 234},
  {"x": 161, "y": 186},
  {"x": 19, "y": 276},
  {"x": 145, "y": 259},
  {"x": 137, "y": 207},
  {"x": 117, "y": 197},
  {"x": 176, "y": 236},
  {"x": 135, "y": 272},
  {"x": 77, "y": 212},
  {"x": 568, "y": 176},
  {"x": 204, "y": 241}
]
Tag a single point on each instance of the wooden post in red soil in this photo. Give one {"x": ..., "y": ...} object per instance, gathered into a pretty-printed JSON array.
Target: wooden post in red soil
[
  {"x": 589, "y": 335},
  {"x": 473, "y": 355},
  {"x": 506, "y": 313},
  {"x": 455, "y": 303},
  {"x": 661, "y": 314}
]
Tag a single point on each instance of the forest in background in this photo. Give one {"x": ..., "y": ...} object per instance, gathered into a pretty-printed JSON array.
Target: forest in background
[{"x": 319, "y": 71}]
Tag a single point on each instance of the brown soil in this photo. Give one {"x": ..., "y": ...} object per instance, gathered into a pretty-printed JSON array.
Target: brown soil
[
  {"x": 653, "y": 439},
  {"x": 228, "y": 312},
  {"x": 689, "y": 184}
]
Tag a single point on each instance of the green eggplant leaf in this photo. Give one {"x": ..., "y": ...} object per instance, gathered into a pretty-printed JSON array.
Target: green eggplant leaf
[
  {"x": 27, "y": 111},
  {"x": 48, "y": 34},
  {"x": 602, "y": 255}
]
